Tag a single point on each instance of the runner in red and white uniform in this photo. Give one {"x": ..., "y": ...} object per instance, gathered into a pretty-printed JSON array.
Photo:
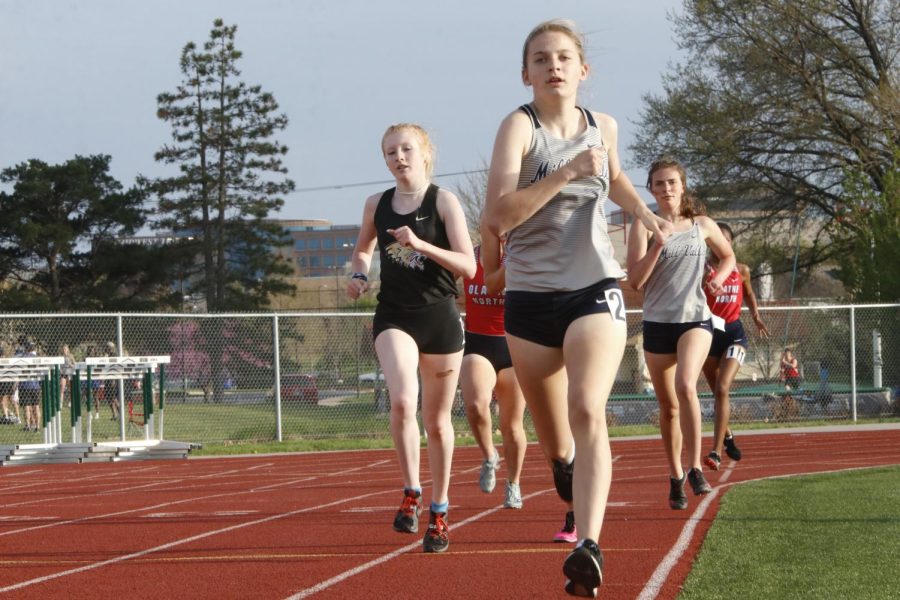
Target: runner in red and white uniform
[
  {"x": 729, "y": 346},
  {"x": 486, "y": 371}
]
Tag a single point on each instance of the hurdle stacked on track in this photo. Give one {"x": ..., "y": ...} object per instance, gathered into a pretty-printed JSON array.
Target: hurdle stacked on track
[
  {"x": 120, "y": 368},
  {"x": 44, "y": 369}
]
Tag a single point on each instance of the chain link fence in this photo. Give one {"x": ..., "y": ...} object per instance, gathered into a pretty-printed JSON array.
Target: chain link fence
[{"x": 221, "y": 381}]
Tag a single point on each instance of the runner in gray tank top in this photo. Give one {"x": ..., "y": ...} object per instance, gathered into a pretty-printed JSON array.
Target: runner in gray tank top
[
  {"x": 677, "y": 325},
  {"x": 673, "y": 292},
  {"x": 536, "y": 261},
  {"x": 553, "y": 166}
]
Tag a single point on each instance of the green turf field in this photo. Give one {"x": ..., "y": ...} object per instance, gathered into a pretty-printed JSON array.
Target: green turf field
[{"x": 818, "y": 536}]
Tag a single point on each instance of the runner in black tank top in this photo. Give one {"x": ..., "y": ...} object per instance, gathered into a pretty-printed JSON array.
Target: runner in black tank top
[
  {"x": 424, "y": 245},
  {"x": 408, "y": 278}
]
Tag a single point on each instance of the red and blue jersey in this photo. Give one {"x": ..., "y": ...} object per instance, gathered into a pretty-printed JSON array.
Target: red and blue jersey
[
  {"x": 728, "y": 304},
  {"x": 484, "y": 312}
]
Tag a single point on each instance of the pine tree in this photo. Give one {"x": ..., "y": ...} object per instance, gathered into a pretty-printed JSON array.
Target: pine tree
[{"x": 231, "y": 177}]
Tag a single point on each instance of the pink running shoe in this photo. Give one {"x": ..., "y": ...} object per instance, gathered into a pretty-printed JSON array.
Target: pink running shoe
[{"x": 568, "y": 533}]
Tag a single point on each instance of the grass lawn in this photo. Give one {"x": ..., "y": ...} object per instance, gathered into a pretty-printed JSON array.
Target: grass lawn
[{"x": 818, "y": 536}]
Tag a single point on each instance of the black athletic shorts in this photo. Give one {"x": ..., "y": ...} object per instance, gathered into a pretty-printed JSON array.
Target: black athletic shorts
[
  {"x": 733, "y": 335},
  {"x": 436, "y": 328},
  {"x": 492, "y": 347},
  {"x": 662, "y": 338},
  {"x": 544, "y": 317}
]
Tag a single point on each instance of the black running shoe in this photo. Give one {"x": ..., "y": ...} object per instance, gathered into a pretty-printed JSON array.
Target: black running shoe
[
  {"x": 562, "y": 478},
  {"x": 407, "y": 519},
  {"x": 584, "y": 570},
  {"x": 733, "y": 452},
  {"x": 677, "y": 497},
  {"x": 436, "y": 536},
  {"x": 698, "y": 482},
  {"x": 713, "y": 460}
]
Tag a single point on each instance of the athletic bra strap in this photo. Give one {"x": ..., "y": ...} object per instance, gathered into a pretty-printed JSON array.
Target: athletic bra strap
[
  {"x": 526, "y": 108},
  {"x": 588, "y": 116}
]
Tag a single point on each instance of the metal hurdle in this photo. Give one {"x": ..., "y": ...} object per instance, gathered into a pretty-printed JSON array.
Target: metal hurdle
[
  {"x": 122, "y": 369},
  {"x": 44, "y": 369}
]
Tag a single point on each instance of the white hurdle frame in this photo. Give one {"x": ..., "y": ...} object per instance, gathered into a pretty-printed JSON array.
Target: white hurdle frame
[
  {"x": 34, "y": 368},
  {"x": 122, "y": 368}
]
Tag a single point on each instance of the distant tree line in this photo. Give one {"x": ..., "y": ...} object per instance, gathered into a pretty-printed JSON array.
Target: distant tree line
[
  {"x": 61, "y": 238},
  {"x": 793, "y": 109}
]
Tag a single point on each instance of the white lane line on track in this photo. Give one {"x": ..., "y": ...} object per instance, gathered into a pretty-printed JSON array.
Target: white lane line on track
[
  {"x": 394, "y": 554},
  {"x": 179, "y": 542},
  {"x": 14, "y": 474},
  {"x": 119, "y": 491},
  {"x": 312, "y": 477},
  {"x": 281, "y": 484},
  {"x": 170, "y": 544},
  {"x": 51, "y": 482},
  {"x": 261, "y": 466},
  {"x": 658, "y": 578},
  {"x": 398, "y": 552}
]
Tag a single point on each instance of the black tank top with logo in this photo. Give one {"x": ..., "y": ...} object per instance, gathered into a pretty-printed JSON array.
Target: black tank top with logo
[{"x": 410, "y": 279}]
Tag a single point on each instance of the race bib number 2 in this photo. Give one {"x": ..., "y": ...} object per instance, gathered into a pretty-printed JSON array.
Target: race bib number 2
[{"x": 616, "y": 304}]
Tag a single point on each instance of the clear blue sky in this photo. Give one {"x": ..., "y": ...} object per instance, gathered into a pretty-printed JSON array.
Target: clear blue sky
[{"x": 82, "y": 76}]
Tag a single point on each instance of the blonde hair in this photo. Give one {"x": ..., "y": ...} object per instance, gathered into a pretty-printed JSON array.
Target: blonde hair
[
  {"x": 564, "y": 26},
  {"x": 428, "y": 150}
]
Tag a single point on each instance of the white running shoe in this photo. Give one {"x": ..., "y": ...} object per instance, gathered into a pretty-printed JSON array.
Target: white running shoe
[
  {"x": 513, "y": 496},
  {"x": 488, "y": 477}
]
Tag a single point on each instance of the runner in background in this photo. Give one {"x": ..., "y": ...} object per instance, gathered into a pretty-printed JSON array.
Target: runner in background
[
  {"x": 677, "y": 322},
  {"x": 486, "y": 371},
  {"x": 421, "y": 233},
  {"x": 729, "y": 346}
]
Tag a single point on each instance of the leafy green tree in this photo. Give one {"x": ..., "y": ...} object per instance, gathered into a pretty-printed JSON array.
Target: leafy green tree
[
  {"x": 231, "y": 176},
  {"x": 868, "y": 228},
  {"x": 776, "y": 101},
  {"x": 58, "y": 240}
]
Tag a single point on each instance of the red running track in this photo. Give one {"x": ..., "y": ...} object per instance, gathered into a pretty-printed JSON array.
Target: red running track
[{"x": 300, "y": 525}]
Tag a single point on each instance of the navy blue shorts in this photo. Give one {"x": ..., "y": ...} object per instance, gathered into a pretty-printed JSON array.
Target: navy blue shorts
[
  {"x": 662, "y": 338},
  {"x": 544, "y": 317},
  {"x": 436, "y": 328},
  {"x": 493, "y": 347},
  {"x": 733, "y": 335}
]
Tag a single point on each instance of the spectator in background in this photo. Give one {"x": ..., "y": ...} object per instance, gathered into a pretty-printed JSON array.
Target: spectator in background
[
  {"x": 790, "y": 373},
  {"x": 111, "y": 386},
  {"x": 30, "y": 392},
  {"x": 66, "y": 371},
  {"x": 98, "y": 388},
  {"x": 8, "y": 396}
]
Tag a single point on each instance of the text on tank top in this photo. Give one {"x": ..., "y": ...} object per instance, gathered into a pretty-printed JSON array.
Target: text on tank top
[
  {"x": 484, "y": 311},
  {"x": 409, "y": 279},
  {"x": 726, "y": 305},
  {"x": 674, "y": 291},
  {"x": 565, "y": 245}
]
